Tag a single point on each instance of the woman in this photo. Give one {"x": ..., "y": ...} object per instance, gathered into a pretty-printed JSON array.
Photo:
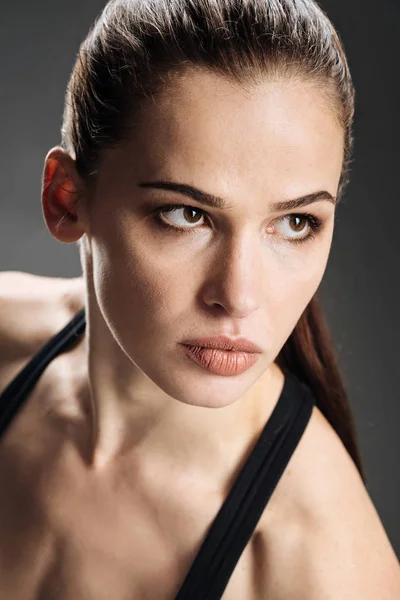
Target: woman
[{"x": 205, "y": 147}]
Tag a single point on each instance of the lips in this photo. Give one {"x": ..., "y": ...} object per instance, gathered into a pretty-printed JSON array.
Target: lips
[
  {"x": 222, "y": 342},
  {"x": 221, "y": 362}
]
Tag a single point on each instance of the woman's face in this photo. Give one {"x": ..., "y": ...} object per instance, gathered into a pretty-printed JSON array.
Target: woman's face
[{"x": 248, "y": 269}]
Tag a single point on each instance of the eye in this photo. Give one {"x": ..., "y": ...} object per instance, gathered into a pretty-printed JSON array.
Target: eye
[
  {"x": 298, "y": 224},
  {"x": 192, "y": 216},
  {"x": 184, "y": 215}
]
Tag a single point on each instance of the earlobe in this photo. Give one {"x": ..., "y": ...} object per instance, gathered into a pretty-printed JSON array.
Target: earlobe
[{"x": 62, "y": 190}]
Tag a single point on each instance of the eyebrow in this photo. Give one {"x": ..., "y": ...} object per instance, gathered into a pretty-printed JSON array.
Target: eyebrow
[{"x": 217, "y": 202}]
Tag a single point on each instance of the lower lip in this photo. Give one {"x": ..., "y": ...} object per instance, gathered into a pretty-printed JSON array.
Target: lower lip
[{"x": 221, "y": 362}]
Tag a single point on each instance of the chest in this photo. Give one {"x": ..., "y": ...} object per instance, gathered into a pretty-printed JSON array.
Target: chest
[
  {"x": 72, "y": 540},
  {"x": 66, "y": 537},
  {"x": 150, "y": 568}
]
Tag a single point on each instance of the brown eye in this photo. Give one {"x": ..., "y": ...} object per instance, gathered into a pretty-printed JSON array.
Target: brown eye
[
  {"x": 297, "y": 223},
  {"x": 298, "y": 228},
  {"x": 189, "y": 213},
  {"x": 179, "y": 216}
]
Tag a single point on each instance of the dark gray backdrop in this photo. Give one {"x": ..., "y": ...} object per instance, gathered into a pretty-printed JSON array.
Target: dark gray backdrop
[{"x": 360, "y": 290}]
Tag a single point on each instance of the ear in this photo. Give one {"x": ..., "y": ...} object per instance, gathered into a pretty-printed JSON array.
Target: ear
[{"x": 63, "y": 197}]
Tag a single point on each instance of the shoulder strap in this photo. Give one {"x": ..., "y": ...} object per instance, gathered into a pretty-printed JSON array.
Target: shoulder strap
[
  {"x": 236, "y": 520},
  {"x": 17, "y": 391}
]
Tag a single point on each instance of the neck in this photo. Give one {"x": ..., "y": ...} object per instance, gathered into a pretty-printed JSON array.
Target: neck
[{"x": 132, "y": 418}]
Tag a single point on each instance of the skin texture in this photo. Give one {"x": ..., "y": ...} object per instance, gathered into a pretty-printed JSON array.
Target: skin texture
[{"x": 126, "y": 450}]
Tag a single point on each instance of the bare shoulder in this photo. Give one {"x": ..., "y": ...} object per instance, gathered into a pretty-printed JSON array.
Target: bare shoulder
[
  {"x": 329, "y": 541},
  {"x": 32, "y": 306},
  {"x": 32, "y": 309}
]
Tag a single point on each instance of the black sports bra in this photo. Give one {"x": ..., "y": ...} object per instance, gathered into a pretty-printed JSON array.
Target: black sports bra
[{"x": 236, "y": 520}]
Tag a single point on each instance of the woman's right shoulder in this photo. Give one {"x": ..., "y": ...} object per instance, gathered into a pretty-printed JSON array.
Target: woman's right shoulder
[{"x": 33, "y": 308}]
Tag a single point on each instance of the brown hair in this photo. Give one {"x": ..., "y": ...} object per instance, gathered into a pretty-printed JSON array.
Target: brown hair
[{"x": 136, "y": 45}]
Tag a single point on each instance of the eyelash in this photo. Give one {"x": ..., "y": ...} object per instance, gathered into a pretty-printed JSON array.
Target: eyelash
[{"x": 314, "y": 222}]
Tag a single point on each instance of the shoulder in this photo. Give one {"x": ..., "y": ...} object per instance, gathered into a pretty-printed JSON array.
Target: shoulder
[
  {"x": 32, "y": 309},
  {"x": 34, "y": 306},
  {"x": 328, "y": 540}
]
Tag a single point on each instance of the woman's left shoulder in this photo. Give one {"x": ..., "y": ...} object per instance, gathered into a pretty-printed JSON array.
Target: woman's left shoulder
[{"x": 329, "y": 531}]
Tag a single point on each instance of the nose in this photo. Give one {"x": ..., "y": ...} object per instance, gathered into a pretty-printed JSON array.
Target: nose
[{"x": 234, "y": 280}]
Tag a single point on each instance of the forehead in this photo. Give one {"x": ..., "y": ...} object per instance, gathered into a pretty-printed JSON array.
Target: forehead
[{"x": 279, "y": 135}]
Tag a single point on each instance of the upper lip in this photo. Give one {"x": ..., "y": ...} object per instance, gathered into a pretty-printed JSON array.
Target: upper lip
[{"x": 223, "y": 342}]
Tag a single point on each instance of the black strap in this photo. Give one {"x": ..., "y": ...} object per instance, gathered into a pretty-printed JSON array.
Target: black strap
[
  {"x": 17, "y": 391},
  {"x": 234, "y": 524}
]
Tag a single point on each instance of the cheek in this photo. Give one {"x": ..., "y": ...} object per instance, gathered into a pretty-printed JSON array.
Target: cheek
[
  {"x": 292, "y": 284},
  {"x": 139, "y": 288}
]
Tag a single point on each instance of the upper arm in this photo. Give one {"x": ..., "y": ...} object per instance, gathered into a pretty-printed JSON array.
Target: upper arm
[
  {"x": 345, "y": 551},
  {"x": 32, "y": 309}
]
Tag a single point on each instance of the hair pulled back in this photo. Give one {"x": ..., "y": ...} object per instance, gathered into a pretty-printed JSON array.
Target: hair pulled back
[{"x": 136, "y": 46}]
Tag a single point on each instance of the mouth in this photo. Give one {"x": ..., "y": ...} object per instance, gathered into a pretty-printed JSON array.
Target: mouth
[
  {"x": 224, "y": 343},
  {"x": 221, "y": 362}
]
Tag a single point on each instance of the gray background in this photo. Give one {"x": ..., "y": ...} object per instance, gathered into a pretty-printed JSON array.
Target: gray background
[{"x": 360, "y": 290}]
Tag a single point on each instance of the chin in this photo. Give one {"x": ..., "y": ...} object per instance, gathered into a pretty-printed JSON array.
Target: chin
[{"x": 191, "y": 385}]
